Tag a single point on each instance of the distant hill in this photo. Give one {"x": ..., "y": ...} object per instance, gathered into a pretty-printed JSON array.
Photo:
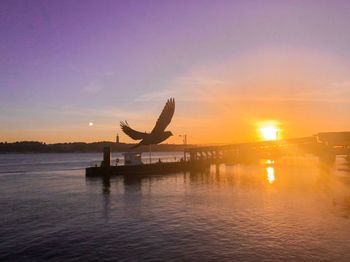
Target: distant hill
[{"x": 80, "y": 147}]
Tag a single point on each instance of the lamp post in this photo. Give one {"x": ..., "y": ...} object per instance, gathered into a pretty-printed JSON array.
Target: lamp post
[{"x": 184, "y": 140}]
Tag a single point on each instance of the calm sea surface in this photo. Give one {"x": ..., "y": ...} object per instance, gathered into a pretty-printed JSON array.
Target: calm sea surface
[{"x": 293, "y": 210}]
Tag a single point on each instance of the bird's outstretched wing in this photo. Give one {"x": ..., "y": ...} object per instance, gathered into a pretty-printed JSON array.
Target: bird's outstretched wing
[
  {"x": 165, "y": 117},
  {"x": 131, "y": 132}
]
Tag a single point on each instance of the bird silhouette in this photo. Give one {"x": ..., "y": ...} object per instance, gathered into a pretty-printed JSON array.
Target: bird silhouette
[{"x": 158, "y": 133}]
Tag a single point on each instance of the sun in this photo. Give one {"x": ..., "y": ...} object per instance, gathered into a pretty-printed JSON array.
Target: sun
[
  {"x": 91, "y": 123},
  {"x": 269, "y": 132}
]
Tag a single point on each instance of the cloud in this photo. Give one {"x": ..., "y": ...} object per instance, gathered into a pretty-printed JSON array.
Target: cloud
[
  {"x": 93, "y": 87},
  {"x": 341, "y": 84},
  {"x": 263, "y": 75},
  {"x": 155, "y": 96}
]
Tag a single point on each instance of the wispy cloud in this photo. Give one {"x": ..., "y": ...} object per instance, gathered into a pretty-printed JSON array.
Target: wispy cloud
[
  {"x": 93, "y": 87},
  {"x": 269, "y": 75}
]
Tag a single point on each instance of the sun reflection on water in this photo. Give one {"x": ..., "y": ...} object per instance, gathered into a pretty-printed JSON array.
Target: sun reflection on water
[
  {"x": 270, "y": 174},
  {"x": 269, "y": 162}
]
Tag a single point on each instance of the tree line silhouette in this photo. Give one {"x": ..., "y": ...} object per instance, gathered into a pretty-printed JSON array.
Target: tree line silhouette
[{"x": 78, "y": 147}]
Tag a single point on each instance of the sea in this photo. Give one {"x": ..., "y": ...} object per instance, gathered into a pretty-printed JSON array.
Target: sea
[{"x": 290, "y": 209}]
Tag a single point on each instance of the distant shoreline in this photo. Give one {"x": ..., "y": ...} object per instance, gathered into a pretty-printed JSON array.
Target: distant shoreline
[
  {"x": 30, "y": 147},
  {"x": 79, "y": 152}
]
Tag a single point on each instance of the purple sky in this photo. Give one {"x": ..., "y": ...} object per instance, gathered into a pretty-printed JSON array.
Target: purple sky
[{"x": 66, "y": 63}]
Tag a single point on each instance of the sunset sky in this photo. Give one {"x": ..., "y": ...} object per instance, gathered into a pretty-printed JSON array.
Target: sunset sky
[{"x": 230, "y": 65}]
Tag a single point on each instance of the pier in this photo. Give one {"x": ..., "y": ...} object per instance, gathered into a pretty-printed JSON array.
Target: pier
[{"x": 326, "y": 146}]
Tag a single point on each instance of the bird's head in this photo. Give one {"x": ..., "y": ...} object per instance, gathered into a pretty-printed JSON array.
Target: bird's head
[{"x": 168, "y": 133}]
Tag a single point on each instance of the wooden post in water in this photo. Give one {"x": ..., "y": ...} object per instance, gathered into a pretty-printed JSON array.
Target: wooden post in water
[
  {"x": 106, "y": 156},
  {"x": 185, "y": 145},
  {"x": 150, "y": 154}
]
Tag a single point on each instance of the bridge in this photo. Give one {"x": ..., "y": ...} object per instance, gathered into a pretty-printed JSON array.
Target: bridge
[{"x": 325, "y": 145}]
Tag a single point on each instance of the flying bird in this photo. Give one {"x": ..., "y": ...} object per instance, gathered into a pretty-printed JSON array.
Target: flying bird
[{"x": 158, "y": 133}]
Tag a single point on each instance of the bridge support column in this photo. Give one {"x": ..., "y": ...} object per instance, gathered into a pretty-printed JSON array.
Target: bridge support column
[
  {"x": 327, "y": 158},
  {"x": 193, "y": 156}
]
